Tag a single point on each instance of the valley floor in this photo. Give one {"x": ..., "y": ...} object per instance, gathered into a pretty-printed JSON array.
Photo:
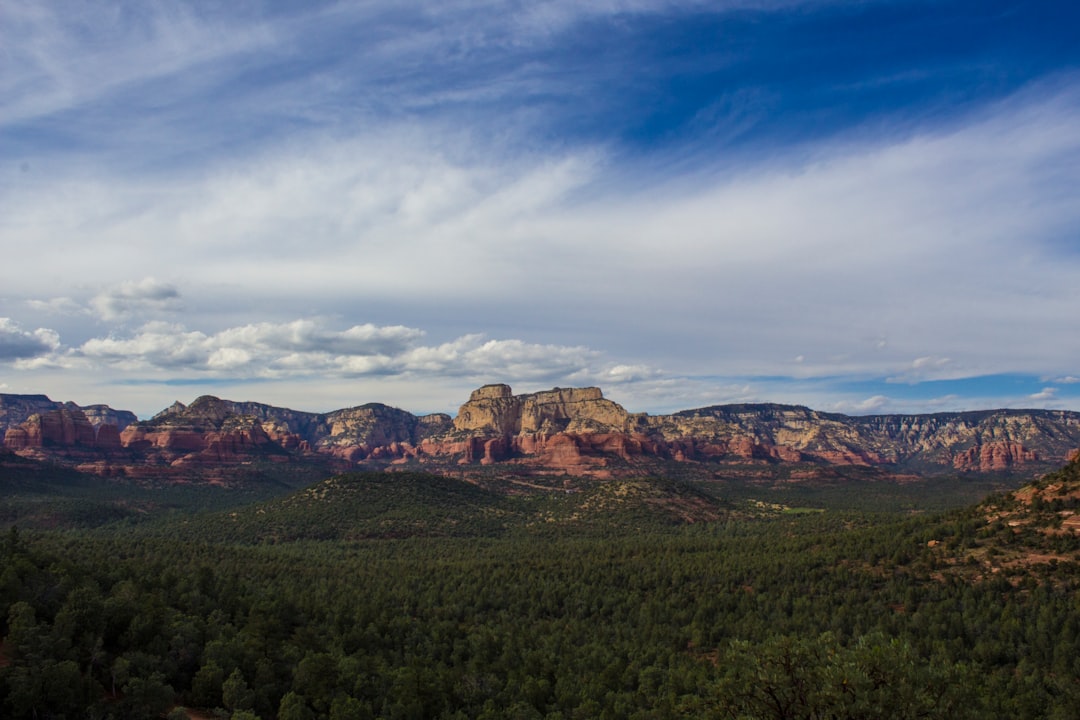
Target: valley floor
[{"x": 425, "y": 597}]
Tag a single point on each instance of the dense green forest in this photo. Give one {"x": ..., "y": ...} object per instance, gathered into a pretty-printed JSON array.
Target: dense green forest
[{"x": 419, "y": 596}]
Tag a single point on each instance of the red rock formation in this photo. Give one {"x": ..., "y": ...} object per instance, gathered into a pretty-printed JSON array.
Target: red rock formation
[
  {"x": 847, "y": 456},
  {"x": 786, "y": 454},
  {"x": 63, "y": 427},
  {"x": 571, "y": 430},
  {"x": 180, "y": 440},
  {"x": 17, "y": 439},
  {"x": 222, "y": 447},
  {"x": 286, "y": 439},
  {"x": 136, "y": 438},
  {"x": 107, "y": 438},
  {"x": 561, "y": 452},
  {"x": 495, "y": 450},
  {"x": 997, "y": 455}
]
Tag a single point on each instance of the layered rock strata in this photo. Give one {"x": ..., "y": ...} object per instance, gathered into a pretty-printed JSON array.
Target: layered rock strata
[{"x": 573, "y": 430}]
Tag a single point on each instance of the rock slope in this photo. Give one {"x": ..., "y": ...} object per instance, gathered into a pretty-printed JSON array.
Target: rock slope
[{"x": 570, "y": 430}]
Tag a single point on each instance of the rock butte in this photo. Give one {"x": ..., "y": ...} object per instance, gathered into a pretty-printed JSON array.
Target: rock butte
[{"x": 562, "y": 430}]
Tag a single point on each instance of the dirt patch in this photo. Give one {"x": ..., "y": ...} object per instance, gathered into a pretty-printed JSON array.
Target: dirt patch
[
  {"x": 1072, "y": 522},
  {"x": 1035, "y": 558}
]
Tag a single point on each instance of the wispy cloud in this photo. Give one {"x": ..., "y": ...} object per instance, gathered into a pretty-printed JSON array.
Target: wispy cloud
[
  {"x": 58, "y": 306},
  {"x": 1047, "y": 393},
  {"x": 63, "y": 57},
  {"x": 137, "y": 298},
  {"x": 630, "y": 193}
]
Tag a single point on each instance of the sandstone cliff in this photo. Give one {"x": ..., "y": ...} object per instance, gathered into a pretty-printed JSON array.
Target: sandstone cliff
[
  {"x": 579, "y": 430},
  {"x": 573, "y": 430},
  {"x": 63, "y": 432},
  {"x": 101, "y": 415},
  {"x": 494, "y": 409},
  {"x": 15, "y": 409}
]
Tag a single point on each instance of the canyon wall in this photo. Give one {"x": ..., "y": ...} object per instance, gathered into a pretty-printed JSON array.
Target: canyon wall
[{"x": 571, "y": 430}]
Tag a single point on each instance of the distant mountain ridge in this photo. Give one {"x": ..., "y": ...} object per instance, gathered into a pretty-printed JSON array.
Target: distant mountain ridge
[
  {"x": 563, "y": 430},
  {"x": 16, "y": 409}
]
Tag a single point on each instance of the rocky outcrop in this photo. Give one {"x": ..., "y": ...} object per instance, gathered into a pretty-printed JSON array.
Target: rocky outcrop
[
  {"x": 571, "y": 410},
  {"x": 107, "y": 438},
  {"x": 63, "y": 427},
  {"x": 210, "y": 431},
  {"x": 103, "y": 415},
  {"x": 571, "y": 430},
  {"x": 17, "y": 409},
  {"x": 494, "y": 409},
  {"x": 214, "y": 431},
  {"x": 65, "y": 435},
  {"x": 371, "y": 426},
  {"x": 490, "y": 409},
  {"x": 36, "y": 425},
  {"x": 561, "y": 428},
  {"x": 994, "y": 456},
  {"x": 17, "y": 439}
]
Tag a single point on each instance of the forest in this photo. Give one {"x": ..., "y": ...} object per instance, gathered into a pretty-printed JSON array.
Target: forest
[{"x": 407, "y": 595}]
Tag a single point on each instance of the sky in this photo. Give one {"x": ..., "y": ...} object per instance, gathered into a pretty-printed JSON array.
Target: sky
[{"x": 863, "y": 206}]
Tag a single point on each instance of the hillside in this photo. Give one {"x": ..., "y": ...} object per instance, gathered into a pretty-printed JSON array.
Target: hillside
[
  {"x": 413, "y": 595},
  {"x": 380, "y": 505},
  {"x": 1033, "y": 531}
]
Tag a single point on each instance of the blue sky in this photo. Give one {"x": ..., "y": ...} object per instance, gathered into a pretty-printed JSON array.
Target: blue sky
[{"x": 857, "y": 206}]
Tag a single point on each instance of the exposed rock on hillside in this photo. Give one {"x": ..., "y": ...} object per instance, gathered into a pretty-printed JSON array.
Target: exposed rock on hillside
[
  {"x": 572, "y": 430},
  {"x": 34, "y": 421},
  {"x": 62, "y": 433},
  {"x": 1020, "y": 536},
  {"x": 494, "y": 409},
  {"x": 578, "y": 430},
  {"x": 102, "y": 415},
  {"x": 15, "y": 409},
  {"x": 210, "y": 430}
]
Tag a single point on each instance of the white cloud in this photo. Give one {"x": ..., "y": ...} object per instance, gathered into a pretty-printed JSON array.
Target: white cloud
[
  {"x": 157, "y": 344},
  {"x": 1047, "y": 393},
  {"x": 627, "y": 374},
  {"x": 137, "y": 298},
  {"x": 662, "y": 394},
  {"x": 58, "y": 306},
  {"x": 313, "y": 336},
  {"x": 884, "y": 405},
  {"x": 871, "y": 404},
  {"x": 228, "y": 358},
  {"x": 19, "y": 344},
  {"x": 55, "y": 361},
  {"x": 929, "y": 367},
  {"x": 306, "y": 348}
]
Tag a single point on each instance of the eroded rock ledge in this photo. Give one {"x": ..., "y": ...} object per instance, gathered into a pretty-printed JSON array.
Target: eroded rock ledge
[
  {"x": 494, "y": 409},
  {"x": 571, "y": 430}
]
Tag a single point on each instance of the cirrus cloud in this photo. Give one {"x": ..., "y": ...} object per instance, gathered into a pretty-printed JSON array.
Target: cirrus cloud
[{"x": 136, "y": 298}]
